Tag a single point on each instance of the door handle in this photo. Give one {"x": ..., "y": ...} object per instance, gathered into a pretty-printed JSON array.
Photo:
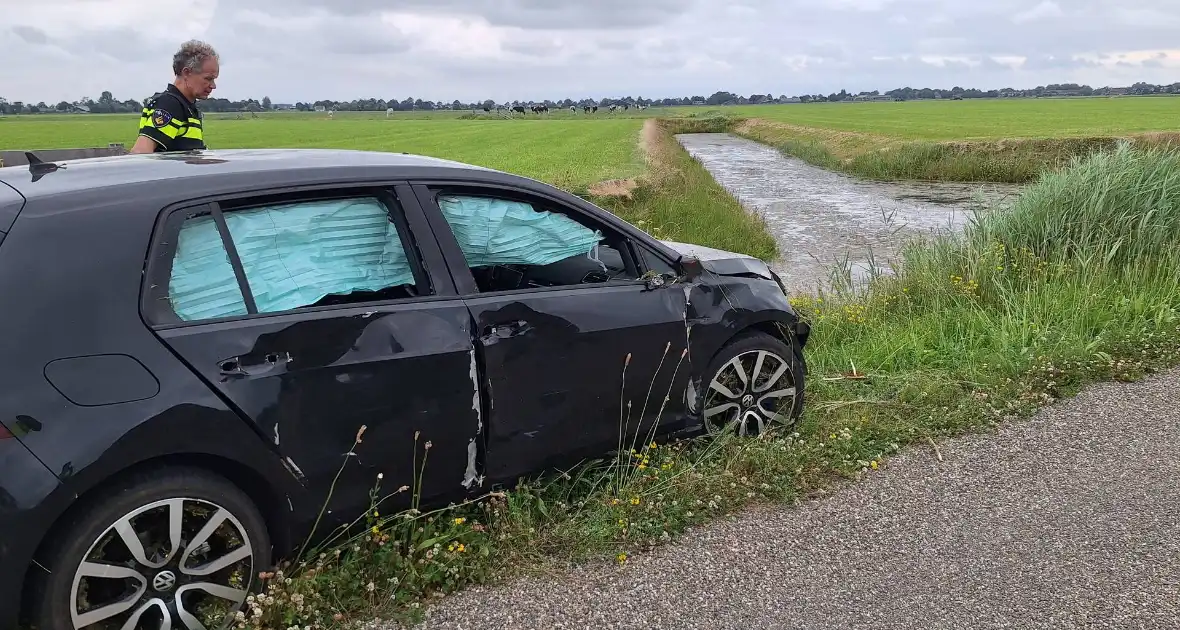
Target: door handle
[
  {"x": 509, "y": 329},
  {"x": 239, "y": 366}
]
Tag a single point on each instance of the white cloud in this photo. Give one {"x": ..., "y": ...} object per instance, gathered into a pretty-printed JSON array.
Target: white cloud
[
  {"x": 1046, "y": 9},
  {"x": 533, "y": 49}
]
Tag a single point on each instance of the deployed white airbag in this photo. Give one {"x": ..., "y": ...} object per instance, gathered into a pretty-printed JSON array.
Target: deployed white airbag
[
  {"x": 293, "y": 255},
  {"x": 494, "y": 231}
]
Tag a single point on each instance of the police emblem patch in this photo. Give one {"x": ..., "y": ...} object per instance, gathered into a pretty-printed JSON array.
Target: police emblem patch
[{"x": 161, "y": 118}]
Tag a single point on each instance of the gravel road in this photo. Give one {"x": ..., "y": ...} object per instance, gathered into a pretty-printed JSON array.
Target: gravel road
[{"x": 1070, "y": 519}]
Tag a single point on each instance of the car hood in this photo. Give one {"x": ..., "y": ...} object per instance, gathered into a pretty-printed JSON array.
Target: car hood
[{"x": 722, "y": 262}]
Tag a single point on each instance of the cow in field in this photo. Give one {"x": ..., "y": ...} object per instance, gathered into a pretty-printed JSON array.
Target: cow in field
[
  {"x": 518, "y": 109},
  {"x": 537, "y": 109}
]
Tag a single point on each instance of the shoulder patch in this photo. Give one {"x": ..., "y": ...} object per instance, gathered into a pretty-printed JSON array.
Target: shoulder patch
[{"x": 161, "y": 117}]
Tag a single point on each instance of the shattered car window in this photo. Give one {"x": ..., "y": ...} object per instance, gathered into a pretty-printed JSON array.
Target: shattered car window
[
  {"x": 495, "y": 231},
  {"x": 293, "y": 255}
]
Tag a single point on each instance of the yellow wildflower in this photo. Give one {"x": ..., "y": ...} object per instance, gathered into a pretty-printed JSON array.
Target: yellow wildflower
[{"x": 460, "y": 521}]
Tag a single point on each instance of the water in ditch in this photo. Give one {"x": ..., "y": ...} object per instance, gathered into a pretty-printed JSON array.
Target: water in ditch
[{"x": 825, "y": 221}]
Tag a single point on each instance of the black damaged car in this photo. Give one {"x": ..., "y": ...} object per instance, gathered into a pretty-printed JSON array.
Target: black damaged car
[{"x": 192, "y": 343}]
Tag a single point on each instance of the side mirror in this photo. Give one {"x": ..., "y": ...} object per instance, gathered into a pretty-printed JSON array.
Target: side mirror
[{"x": 690, "y": 267}]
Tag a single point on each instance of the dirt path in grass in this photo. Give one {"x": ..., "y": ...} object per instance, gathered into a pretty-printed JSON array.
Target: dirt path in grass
[{"x": 1065, "y": 520}]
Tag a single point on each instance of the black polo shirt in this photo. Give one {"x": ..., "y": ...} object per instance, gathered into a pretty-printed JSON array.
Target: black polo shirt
[{"x": 172, "y": 121}]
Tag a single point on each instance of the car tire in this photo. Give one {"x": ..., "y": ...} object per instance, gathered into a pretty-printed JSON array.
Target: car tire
[
  {"x": 175, "y": 577},
  {"x": 726, "y": 399}
]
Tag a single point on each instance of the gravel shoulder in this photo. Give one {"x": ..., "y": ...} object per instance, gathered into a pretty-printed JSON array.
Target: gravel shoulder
[{"x": 1070, "y": 519}]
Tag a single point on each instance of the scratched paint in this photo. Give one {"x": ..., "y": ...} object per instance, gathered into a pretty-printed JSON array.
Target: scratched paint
[
  {"x": 293, "y": 468},
  {"x": 471, "y": 474}
]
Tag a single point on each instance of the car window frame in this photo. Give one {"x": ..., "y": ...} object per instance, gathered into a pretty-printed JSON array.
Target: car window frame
[
  {"x": 428, "y": 190},
  {"x": 401, "y": 206},
  {"x": 641, "y": 251}
]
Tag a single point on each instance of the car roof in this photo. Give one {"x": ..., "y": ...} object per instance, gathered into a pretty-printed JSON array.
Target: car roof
[{"x": 204, "y": 169}]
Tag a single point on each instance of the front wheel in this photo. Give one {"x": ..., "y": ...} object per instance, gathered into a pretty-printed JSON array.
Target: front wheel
[
  {"x": 177, "y": 549},
  {"x": 755, "y": 382}
]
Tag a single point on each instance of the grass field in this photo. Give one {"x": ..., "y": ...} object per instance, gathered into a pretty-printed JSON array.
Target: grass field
[
  {"x": 983, "y": 119},
  {"x": 972, "y": 140},
  {"x": 571, "y": 153},
  {"x": 1012, "y": 140}
]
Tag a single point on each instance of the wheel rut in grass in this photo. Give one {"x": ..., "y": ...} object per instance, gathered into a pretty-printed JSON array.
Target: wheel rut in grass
[{"x": 825, "y": 221}]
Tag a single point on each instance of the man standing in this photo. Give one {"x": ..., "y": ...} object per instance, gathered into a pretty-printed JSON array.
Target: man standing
[{"x": 170, "y": 119}]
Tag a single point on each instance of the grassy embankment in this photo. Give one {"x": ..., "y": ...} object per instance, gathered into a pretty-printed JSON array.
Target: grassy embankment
[
  {"x": 995, "y": 141},
  {"x": 1077, "y": 283}
]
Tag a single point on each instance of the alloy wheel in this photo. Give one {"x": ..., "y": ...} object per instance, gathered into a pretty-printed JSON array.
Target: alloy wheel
[
  {"x": 176, "y": 564},
  {"x": 750, "y": 391}
]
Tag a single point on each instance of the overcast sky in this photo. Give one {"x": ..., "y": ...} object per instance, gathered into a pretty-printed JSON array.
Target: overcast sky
[{"x": 471, "y": 50}]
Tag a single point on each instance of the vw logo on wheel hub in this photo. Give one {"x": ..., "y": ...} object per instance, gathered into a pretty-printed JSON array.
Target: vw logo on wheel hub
[
  {"x": 748, "y": 400},
  {"x": 164, "y": 581}
]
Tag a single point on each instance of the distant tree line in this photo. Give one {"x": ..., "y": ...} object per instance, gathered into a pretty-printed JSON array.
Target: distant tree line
[{"x": 108, "y": 104}]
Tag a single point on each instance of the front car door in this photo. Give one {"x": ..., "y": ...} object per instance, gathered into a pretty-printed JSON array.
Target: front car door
[
  {"x": 313, "y": 313},
  {"x": 561, "y": 316}
]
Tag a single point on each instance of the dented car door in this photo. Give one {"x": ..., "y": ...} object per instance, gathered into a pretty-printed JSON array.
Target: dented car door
[
  {"x": 573, "y": 362},
  {"x": 359, "y": 383},
  {"x": 566, "y": 369}
]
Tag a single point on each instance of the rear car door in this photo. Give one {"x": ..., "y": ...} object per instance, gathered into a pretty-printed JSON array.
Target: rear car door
[
  {"x": 322, "y": 314},
  {"x": 561, "y": 316}
]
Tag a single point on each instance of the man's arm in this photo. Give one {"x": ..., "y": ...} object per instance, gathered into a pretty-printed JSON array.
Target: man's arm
[
  {"x": 158, "y": 126},
  {"x": 144, "y": 144}
]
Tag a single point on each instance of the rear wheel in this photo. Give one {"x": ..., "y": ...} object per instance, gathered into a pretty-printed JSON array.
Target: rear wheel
[
  {"x": 177, "y": 549},
  {"x": 753, "y": 384}
]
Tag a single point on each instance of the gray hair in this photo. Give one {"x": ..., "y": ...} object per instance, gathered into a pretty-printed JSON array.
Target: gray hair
[{"x": 192, "y": 55}]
